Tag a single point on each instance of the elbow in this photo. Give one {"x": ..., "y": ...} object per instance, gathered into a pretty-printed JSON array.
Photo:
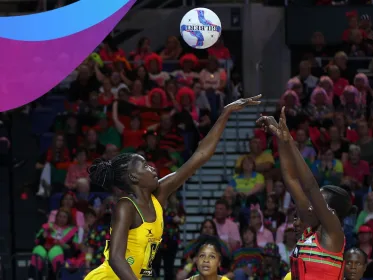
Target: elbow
[{"x": 115, "y": 261}]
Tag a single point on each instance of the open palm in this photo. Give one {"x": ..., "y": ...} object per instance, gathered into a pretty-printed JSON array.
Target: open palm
[{"x": 242, "y": 103}]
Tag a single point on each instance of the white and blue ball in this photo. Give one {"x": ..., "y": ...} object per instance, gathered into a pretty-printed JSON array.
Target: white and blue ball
[{"x": 200, "y": 28}]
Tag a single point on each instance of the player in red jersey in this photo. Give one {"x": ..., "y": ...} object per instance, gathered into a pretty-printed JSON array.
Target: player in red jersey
[{"x": 318, "y": 254}]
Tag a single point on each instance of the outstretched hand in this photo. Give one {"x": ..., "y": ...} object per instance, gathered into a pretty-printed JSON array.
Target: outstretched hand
[
  {"x": 242, "y": 103},
  {"x": 278, "y": 129}
]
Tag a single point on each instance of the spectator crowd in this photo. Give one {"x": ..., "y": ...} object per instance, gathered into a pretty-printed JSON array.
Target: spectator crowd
[{"x": 167, "y": 102}]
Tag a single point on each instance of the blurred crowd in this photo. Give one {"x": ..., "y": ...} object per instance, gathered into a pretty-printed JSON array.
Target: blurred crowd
[{"x": 167, "y": 102}]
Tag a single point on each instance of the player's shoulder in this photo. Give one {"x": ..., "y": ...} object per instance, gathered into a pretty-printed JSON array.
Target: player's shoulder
[{"x": 125, "y": 203}]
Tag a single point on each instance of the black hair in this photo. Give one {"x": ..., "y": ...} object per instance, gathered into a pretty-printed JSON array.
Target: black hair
[
  {"x": 66, "y": 193},
  {"x": 357, "y": 251},
  {"x": 253, "y": 230},
  {"x": 141, "y": 41},
  {"x": 223, "y": 202},
  {"x": 81, "y": 150},
  {"x": 338, "y": 200},
  {"x": 213, "y": 225},
  {"x": 209, "y": 240},
  {"x": 90, "y": 211},
  {"x": 112, "y": 172}
]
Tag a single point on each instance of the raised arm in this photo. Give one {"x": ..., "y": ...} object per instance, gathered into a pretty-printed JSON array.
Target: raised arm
[
  {"x": 123, "y": 219},
  {"x": 118, "y": 124},
  {"x": 288, "y": 170},
  {"x": 329, "y": 221},
  {"x": 99, "y": 76},
  {"x": 204, "y": 152}
]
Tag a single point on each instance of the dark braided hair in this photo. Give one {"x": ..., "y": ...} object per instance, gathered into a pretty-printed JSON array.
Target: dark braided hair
[
  {"x": 112, "y": 172},
  {"x": 338, "y": 200}
]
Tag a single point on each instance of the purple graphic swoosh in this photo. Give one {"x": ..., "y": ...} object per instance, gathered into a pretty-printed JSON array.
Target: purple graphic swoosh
[{"x": 30, "y": 69}]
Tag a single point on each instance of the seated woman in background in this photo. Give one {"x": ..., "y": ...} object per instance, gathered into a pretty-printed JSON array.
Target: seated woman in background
[
  {"x": 284, "y": 198},
  {"x": 172, "y": 50},
  {"x": 97, "y": 236},
  {"x": 351, "y": 105},
  {"x": 92, "y": 144},
  {"x": 327, "y": 170},
  {"x": 208, "y": 259},
  {"x": 319, "y": 110},
  {"x": 208, "y": 228},
  {"x": 287, "y": 246},
  {"x": 365, "y": 238},
  {"x": 306, "y": 149},
  {"x": 247, "y": 182},
  {"x": 336, "y": 143},
  {"x": 186, "y": 75},
  {"x": 248, "y": 255},
  {"x": 78, "y": 169},
  {"x": 55, "y": 242},
  {"x": 272, "y": 216},
  {"x": 367, "y": 213},
  {"x": 290, "y": 216},
  {"x": 68, "y": 201},
  {"x": 53, "y": 165},
  {"x": 263, "y": 235},
  {"x": 290, "y": 100}
]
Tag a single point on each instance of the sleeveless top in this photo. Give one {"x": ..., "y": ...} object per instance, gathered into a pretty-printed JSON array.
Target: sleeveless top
[
  {"x": 310, "y": 261},
  {"x": 222, "y": 278},
  {"x": 143, "y": 242}
]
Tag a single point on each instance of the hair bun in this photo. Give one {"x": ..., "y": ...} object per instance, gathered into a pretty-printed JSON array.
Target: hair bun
[{"x": 101, "y": 173}]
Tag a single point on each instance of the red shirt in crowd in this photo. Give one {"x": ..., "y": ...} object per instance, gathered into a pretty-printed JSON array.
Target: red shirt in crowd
[
  {"x": 219, "y": 53},
  {"x": 106, "y": 56},
  {"x": 357, "y": 172},
  {"x": 171, "y": 140},
  {"x": 132, "y": 138},
  {"x": 346, "y": 34},
  {"x": 339, "y": 86}
]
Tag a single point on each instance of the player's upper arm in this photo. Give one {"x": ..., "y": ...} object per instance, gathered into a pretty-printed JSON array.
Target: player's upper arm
[{"x": 123, "y": 219}]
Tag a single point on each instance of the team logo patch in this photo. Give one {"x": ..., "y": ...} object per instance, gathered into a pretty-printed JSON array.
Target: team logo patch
[
  {"x": 130, "y": 260},
  {"x": 150, "y": 234},
  {"x": 296, "y": 252}
]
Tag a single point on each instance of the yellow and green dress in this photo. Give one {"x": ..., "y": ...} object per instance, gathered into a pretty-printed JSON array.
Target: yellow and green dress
[{"x": 142, "y": 246}]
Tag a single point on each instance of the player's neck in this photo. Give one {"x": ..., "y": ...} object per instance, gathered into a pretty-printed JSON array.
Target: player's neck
[{"x": 211, "y": 277}]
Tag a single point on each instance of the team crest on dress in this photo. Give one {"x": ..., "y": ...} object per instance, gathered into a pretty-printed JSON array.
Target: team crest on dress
[
  {"x": 296, "y": 252},
  {"x": 130, "y": 260},
  {"x": 150, "y": 234}
]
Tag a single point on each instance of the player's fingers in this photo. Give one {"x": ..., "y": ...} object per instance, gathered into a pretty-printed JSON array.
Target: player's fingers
[
  {"x": 273, "y": 129},
  {"x": 261, "y": 120},
  {"x": 256, "y": 97},
  {"x": 283, "y": 115}
]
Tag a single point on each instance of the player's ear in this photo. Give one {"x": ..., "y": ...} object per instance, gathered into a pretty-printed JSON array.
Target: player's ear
[{"x": 133, "y": 177}]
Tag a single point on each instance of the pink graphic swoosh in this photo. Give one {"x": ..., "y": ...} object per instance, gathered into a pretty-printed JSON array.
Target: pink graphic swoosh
[{"x": 30, "y": 69}]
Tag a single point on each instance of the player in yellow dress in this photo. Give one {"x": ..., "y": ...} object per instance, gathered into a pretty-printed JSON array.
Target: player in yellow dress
[{"x": 137, "y": 222}]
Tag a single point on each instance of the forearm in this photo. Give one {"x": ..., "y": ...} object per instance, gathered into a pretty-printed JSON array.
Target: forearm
[
  {"x": 208, "y": 145},
  {"x": 122, "y": 269},
  {"x": 290, "y": 175},
  {"x": 307, "y": 180}
]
